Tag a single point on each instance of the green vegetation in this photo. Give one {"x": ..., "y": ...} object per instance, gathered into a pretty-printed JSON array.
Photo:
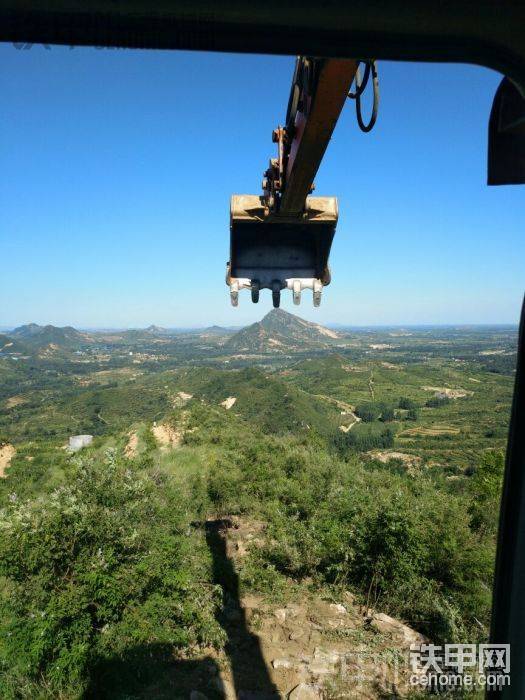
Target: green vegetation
[
  {"x": 363, "y": 438},
  {"x": 108, "y": 585},
  {"x": 102, "y": 567}
]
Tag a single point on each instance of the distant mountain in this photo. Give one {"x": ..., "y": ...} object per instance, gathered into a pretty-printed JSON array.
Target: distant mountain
[
  {"x": 37, "y": 336},
  {"x": 151, "y": 333},
  {"x": 156, "y": 330},
  {"x": 27, "y": 331},
  {"x": 216, "y": 330},
  {"x": 280, "y": 331}
]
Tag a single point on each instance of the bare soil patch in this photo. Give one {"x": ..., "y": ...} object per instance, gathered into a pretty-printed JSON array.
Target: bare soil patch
[
  {"x": 7, "y": 453},
  {"x": 389, "y": 365},
  {"x": 411, "y": 462},
  {"x": 384, "y": 457},
  {"x": 166, "y": 435},
  {"x": 130, "y": 450},
  {"x": 13, "y": 401},
  {"x": 449, "y": 393}
]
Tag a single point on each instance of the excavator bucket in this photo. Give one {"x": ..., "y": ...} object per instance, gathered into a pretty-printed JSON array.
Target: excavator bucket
[{"x": 268, "y": 251}]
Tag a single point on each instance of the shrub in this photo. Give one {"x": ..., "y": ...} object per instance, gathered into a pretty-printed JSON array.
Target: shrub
[
  {"x": 387, "y": 414},
  {"x": 438, "y": 401},
  {"x": 404, "y": 546},
  {"x": 406, "y": 403},
  {"x": 368, "y": 412},
  {"x": 486, "y": 489},
  {"x": 98, "y": 566}
]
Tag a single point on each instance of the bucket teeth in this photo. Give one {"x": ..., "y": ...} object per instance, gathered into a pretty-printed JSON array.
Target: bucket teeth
[
  {"x": 296, "y": 291},
  {"x": 317, "y": 291},
  {"x": 236, "y": 284},
  {"x": 276, "y": 250},
  {"x": 276, "y": 294},
  {"x": 255, "y": 291},
  {"x": 296, "y": 285},
  {"x": 234, "y": 293}
]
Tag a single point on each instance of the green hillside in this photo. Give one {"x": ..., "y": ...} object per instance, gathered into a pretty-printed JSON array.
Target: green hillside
[
  {"x": 39, "y": 336},
  {"x": 363, "y": 482}
]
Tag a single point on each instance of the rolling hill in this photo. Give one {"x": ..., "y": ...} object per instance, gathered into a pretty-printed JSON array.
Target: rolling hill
[
  {"x": 280, "y": 331},
  {"x": 37, "y": 337}
]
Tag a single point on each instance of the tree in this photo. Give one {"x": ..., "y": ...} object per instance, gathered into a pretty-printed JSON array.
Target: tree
[
  {"x": 412, "y": 414},
  {"x": 406, "y": 403},
  {"x": 486, "y": 492},
  {"x": 369, "y": 412},
  {"x": 437, "y": 401},
  {"x": 388, "y": 414}
]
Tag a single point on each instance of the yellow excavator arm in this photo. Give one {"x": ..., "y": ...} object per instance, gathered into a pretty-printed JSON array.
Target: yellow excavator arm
[{"x": 281, "y": 238}]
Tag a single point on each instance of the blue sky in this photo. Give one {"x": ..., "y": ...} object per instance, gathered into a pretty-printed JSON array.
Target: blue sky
[{"x": 118, "y": 167}]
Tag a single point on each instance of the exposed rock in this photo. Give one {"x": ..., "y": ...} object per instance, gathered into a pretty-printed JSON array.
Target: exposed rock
[
  {"x": 77, "y": 442},
  {"x": 276, "y": 636},
  {"x": 328, "y": 657},
  {"x": 318, "y": 668},
  {"x": 308, "y": 644},
  {"x": 338, "y": 608},
  {"x": 280, "y": 614},
  {"x": 296, "y": 634},
  {"x": 229, "y": 402},
  {"x": 388, "y": 625},
  {"x": 303, "y": 691},
  {"x": 293, "y": 610}
]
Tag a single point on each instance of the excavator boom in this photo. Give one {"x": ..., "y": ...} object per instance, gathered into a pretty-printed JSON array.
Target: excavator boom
[{"x": 281, "y": 239}]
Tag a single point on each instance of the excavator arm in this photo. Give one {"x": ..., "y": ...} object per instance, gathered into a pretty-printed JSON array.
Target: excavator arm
[{"x": 281, "y": 239}]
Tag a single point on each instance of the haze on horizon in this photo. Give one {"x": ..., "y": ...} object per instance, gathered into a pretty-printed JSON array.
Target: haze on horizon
[{"x": 120, "y": 177}]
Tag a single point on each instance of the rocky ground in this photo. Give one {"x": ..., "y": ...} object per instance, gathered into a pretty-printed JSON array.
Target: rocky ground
[{"x": 307, "y": 648}]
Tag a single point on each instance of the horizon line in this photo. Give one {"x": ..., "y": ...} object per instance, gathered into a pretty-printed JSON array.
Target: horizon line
[{"x": 333, "y": 324}]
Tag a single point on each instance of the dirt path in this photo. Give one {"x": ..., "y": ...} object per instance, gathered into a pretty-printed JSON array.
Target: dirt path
[
  {"x": 302, "y": 647},
  {"x": 348, "y": 410},
  {"x": 337, "y": 402},
  {"x": 371, "y": 385},
  {"x": 7, "y": 453},
  {"x": 348, "y": 428}
]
